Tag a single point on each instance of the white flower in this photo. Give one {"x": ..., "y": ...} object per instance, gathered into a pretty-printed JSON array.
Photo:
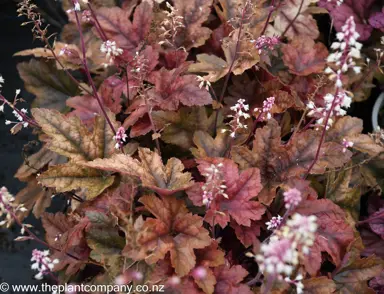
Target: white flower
[
  {"x": 120, "y": 137},
  {"x": 214, "y": 184},
  {"x": 274, "y": 223},
  {"x": 42, "y": 263},
  {"x": 77, "y": 6},
  {"x": 203, "y": 82},
  {"x": 292, "y": 198},
  {"x": 237, "y": 122},
  {"x": 346, "y": 144},
  {"x": 110, "y": 49}
]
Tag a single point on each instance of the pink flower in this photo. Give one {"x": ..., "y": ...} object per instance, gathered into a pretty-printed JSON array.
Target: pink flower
[
  {"x": 199, "y": 273},
  {"x": 120, "y": 137},
  {"x": 346, "y": 144},
  {"x": 278, "y": 256},
  {"x": 42, "y": 263},
  {"x": 292, "y": 198},
  {"x": 265, "y": 110},
  {"x": 240, "y": 109},
  {"x": 266, "y": 43},
  {"x": 214, "y": 184},
  {"x": 274, "y": 223}
]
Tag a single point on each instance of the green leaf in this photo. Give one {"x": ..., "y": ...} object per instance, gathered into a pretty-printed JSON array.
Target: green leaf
[
  {"x": 67, "y": 177},
  {"x": 51, "y": 86},
  {"x": 181, "y": 125},
  {"x": 102, "y": 235},
  {"x": 355, "y": 272},
  {"x": 72, "y": 139}
]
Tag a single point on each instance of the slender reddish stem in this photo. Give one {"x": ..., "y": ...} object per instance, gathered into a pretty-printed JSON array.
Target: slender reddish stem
[
  {"x": 379, "y": 215},
  {"x": 322, "y": 138},
  {"x": 97, "y": 24},
  {"x": 272, "y": 9},
  {"x": 45, "y": 40},
  {"x": 95, "y": 94},
  {"x": 28, "y": 231},
  {"x": 294, "y": 19},
  {"x": 25, "y": 118},
  {"x": 233, "y": 62}
]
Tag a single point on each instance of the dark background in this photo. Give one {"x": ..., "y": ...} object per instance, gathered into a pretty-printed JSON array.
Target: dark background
[{"x": 15, "y": 256}]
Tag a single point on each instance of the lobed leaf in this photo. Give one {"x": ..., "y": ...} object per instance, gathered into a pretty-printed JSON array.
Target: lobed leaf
[
  {"x": 304, "y": 57},
  {"x": 179, "y": 127},
  {"x": 165, "y": 180},
  {"x": 294, "y": 19},
  {"x": 67, "y": 177},
  {"x": 72, "y": 139},
  {"x": 194, "y": 13},
  {"x": 240, "y": 189},
  {"x": 173, "y": 230},
  {"x": 333, "y": 234},
  {"x": 51, "y": 86}
]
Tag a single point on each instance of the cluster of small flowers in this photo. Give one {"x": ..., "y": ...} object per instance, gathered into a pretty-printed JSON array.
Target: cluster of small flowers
[
  {"x": 1, "y": 81},
  {"x": 214, "y": 183},
  {"x": 297, "y": 282},
  {"x": 170, "y": 25},
  {"x": 346, "y": 144},
  {"x": 292, "y": 198},
  {"x": 346, "y": 50},
  {"x": 68, "y": 52},
  {"x": 274, "y": 223},
  {"x": 19, "y": 117},
  {"x": 139, "y": 66},
  {"x": 111, "y": 50},
  {"x": 8, "y": 207},
  {"x": 334, "y": 104},
  {"x": 281, "y": 254},
  {"x": 42, "y": 263},
  {"x": 264, "y": 112},
  {"x": 86, "y": 16},
  {"x": 236, "y": 123},
  {"x": 301, "y": 230},
  {"x": 203, "y": 82},
  {"x": 278, "y": 256},
  {"x": 120, "y": 137},
  {"x": 266, "y": 43}
]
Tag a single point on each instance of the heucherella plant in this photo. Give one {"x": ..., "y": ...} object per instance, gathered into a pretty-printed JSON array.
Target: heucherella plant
[{"x": 201, "y": 146}]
